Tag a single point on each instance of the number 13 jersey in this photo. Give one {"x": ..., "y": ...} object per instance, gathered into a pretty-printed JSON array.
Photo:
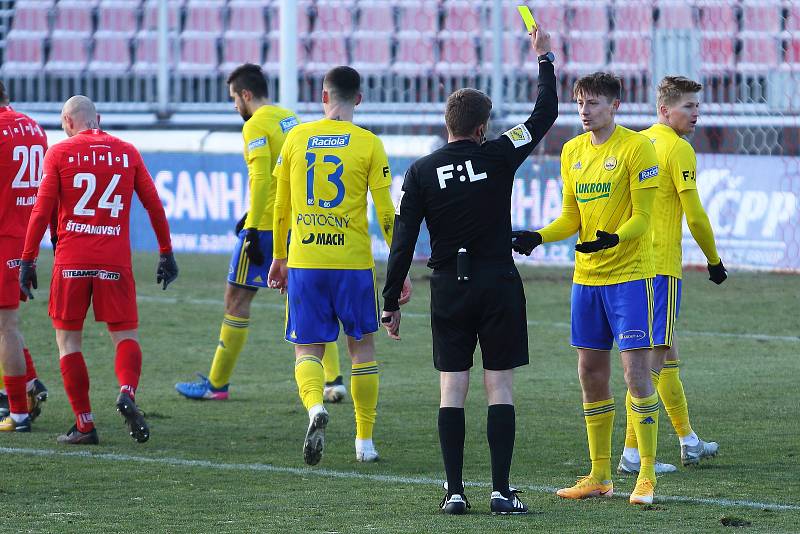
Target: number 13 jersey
[
  {"x": 92, "y": 177},
  {"x": 324, "y": 171}
]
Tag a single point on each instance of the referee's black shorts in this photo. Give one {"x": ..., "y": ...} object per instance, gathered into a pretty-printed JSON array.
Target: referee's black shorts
[{"x": 489, "y": 308}]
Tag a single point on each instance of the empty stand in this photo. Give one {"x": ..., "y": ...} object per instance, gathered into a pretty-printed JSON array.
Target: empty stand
[
  {"x": 335, "y": 16},
  {"x": 633, "y": 16},
  {"x": 758, "y": 53},
  {"x": 416, "y": 54},
  {"x": 304, "y": 11},
  {"x": 248, "y": 16},
  {"x": 69, "y": 53},
  {"x": 376, "y": 16},
  {"x": 418, "y": 16},
  {"x": 675, "y": 15},
  {"x": 23, "y": 54},
  {"x": 146, "y": 52},
  {"x": 371, "y": 52},
  {"x": 631, "y": 52},
  {"x": 150, "y": 14},
  {"x": 73, "y": 17},
  {"x": 32, "y": 18},
  {"x": 462, "y": 16},
  {"x": 459, "y": 55},
  {"x": 272, "y": 63},
  {"x": 204, "y": 16},
  {"x": 118, "y": 16},
  {"x": 112, "y": 53},
  {"x": 762, "y": 16},
  {"x": 586, "y": 52},
  {"x": 327, "y": 50},
  {"x": 589, "y": 16},
  {"x": 198, "y": 53},
  {"x": 241, "y": 48},
  {"x": 717, "y": 54},
  {"x": 718, "y": 16}
]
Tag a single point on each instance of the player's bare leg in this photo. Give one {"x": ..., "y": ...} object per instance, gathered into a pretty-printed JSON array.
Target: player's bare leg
[
  {"x": 128, "y": 368},
  {"x": 644, "y": 414},
  {"x": 364, "y": 385},
  {"x": 12, "y": 360},
  {"x": 76, "y": 385},
  {"x": 453, "y": 388},
  {"x": 310, "y": 382}
]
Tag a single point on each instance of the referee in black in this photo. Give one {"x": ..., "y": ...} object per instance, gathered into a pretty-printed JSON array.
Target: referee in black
[{"x": 463, "y": 192}]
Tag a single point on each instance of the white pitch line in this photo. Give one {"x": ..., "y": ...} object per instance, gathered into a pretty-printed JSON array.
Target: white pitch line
[
  {"x": 394, "y": 479},
  {"x": 268, "y": 305}
]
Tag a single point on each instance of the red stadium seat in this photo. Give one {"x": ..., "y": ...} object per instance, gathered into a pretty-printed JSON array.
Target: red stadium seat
[
  {"x": 759, "y": 53},
  {"x": 793, "y": 54},
  {"x": 23, "y": 54},
  {"x": 716, "y": 53},
  {"x": 376, "y": 16},
  {"x": 793, "y": 19},
  {"x": 631, "y": 52},
  {"x": 238, "y": 48},
  {"x": 530, "y": 62},
  {"x": 418, "y": 16},
  {"x": 334, "y": 16},
  {"x": 247, "y": 16},
  {"x": 761, "y": 16},
  {"x": 416, "y": 54},
  {"x": 31, "y": 18},
  {"x": 146, "y": 52},
  {"x": 112, "y": 53},
  {"x": 586, "y": 52},
  {"x": 512, "y": 51},
  {"x": 675, "y": 15},
  {"x": 119, "y": 16},
  {"x": 633, "y": 16},
  {"x": 73, "y": 17},
  {"x": 462, "y": 15},
  {"x": 327, "y": 51},
  {"x": 459, "y": 54},
  {"x": 717, "y": 16},
  {"x": 303, "y": 17},
  {"x": 272, "y": 64},
  {"x": 551, "y": 14},
  {"x": 69, "y": 53},
  {"x": 204, "y": 16},
  {"x": 589, "y": 16},
  {"x": 150, "y": 17},
  {"x": 372, "y": 52},
  {"x": 198, "y": 53}
]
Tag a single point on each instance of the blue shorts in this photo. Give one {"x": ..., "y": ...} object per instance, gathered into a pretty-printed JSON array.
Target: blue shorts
[
  {"x": 320, "y": 298},
  {"x": 244, "y": 274},
  {"x": 667, "y": 305},
  {"x": 623, "y": 312}
]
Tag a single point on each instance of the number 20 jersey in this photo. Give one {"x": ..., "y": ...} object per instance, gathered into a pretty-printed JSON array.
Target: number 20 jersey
[
  {"x": 93, "y": 176},
  {"x": 328, "y": 166},
  {"x": 23, "y": 144}
]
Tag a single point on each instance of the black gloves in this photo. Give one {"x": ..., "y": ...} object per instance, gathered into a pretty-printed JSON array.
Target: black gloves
[
  {"x": 523, "y": 241},
  {"x": 240, "y": 224},
  {"x": 166, "y": 272},
  {"x": 27, "y": 278},
  {"x": 716, "y": 273},
  {"x": 604, "y": 240},
  {"x": 252, "y": 247}
]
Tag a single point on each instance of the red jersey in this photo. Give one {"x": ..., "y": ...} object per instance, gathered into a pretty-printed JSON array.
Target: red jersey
[
  {"x": 92, "y": 177},
  {"x": 22, "y": 147}
]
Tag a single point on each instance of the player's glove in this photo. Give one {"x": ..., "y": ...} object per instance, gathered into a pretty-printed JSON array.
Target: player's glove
[
  {"x": 604, "y": 240},
  {"x": 717, "y": 273},
  {"x": 523, "y": 241},
  {"x": 252, "y": 248},
  {"x": 167, "y": 270},
  {"x": 27, "y": 277},
  {"x": 240, "y": 224}
]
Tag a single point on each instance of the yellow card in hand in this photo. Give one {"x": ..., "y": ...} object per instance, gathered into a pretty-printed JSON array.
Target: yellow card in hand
[{"x": 527, "y": 17}]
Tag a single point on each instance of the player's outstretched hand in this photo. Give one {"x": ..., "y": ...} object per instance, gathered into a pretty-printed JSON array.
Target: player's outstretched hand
[
  {"x": 27, "y": 277},
  {"x": 252, "y": 247},
  {"x": 240, "y": 224},
  {"x": 540, "y": 40},
  {"x": 604, "y": 240},
  {"x": 278, "y": 277},
  {"x": 405, "y": 293},
  {"x": 391, "y": 322},
  {"x": 167, "y": 270},
  {"x": 523, "y": 241},
  {"x": 717, "y": 273}
]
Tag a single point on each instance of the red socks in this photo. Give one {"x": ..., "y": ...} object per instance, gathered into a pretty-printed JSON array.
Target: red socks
[
  {"x": 16, "y": 390},
  {"x": 30, "y": 369},
  {"x": 76, "y": 384},
  {"x": 128, "y": 365}
]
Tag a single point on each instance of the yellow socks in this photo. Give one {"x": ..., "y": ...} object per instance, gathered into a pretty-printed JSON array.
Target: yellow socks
[
  {"x": 310, "y": 380},
  {"x": 364, "y": 388},
  {"x": 630, "y": 433},
  {"x": 599, "y": 425},
  {"x": 232, "y": 338},
  {"x": 644, "y": 416},
  {"x": 670, "y": 388},
  {"x": 330, "y": 362}
]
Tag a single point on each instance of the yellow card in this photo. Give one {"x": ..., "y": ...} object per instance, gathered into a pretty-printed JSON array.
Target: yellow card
[{"x": 527, "y": 17}]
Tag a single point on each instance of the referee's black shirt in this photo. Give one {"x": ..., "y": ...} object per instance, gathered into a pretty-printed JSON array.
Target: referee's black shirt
[{"x": 463, "y": 191}]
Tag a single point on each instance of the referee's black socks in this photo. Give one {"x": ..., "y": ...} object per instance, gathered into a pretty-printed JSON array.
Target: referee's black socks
[
  {"x": 500, "y": 430},
  {"x": 451, "y": 438}
]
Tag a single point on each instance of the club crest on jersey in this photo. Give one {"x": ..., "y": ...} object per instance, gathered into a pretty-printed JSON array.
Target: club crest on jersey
[
  {"x": 648, "y": 173},
  {"x": 328, "y": 141},
  {"x": 255, "y": 143},
  {"x": 610, "y": 163},
  {"x": 288, "y": 123},
  {"x": 519, "y": 135}
]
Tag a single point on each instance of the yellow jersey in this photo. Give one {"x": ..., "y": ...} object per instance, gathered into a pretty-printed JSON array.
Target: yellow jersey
[
  {"x": 678, "y": 172},
  {"x": 600, "y": 180},
  {"x": 324, "y": 172},
  {"x": 264, "y": 134}
]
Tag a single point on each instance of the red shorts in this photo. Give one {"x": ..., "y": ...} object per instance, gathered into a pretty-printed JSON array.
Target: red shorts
[
  {"x": 111, "y": 290},
  {"x": 10, "y": 253}
]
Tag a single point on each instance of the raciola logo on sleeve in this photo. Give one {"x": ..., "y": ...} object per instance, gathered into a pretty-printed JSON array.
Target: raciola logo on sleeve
[
  {"x": 255, "y": 143},
  {"x": 288, "y": 123},
  {"x": 648, "y": 173}
]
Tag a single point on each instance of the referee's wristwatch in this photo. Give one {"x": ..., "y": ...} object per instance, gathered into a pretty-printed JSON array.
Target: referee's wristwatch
[{"x": 549, "y": 57}]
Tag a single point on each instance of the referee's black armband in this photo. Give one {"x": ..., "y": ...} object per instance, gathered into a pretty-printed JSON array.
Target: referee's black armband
[{"x": 391, "y": 304}]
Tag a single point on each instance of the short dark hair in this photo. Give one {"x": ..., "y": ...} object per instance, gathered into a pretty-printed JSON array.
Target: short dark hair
[
  {"x": 466, "y": 109},
  {"x": 3, "y": 94},
  {"x": 344, "y": 82},
  {"x": 599, "y": 84},
  {"x": 672, "y": 88},
  {"x": 248, "y": 77}
]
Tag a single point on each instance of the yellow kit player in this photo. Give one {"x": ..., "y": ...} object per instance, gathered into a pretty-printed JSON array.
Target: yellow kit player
[
  {"x": 325, "y": 170},
  {"x": 678, "y": 111},
  {"x": 264, "y": 132},
  {"x": 610, "y": 179}
]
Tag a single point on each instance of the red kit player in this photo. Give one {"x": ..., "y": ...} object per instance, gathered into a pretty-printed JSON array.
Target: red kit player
[
  {"x": 22, "y": 147},
  {"x": 91, "y": 177}
]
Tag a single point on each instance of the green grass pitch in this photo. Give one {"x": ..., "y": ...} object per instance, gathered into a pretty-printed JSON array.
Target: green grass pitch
[{"x": 237, "y": 466}]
